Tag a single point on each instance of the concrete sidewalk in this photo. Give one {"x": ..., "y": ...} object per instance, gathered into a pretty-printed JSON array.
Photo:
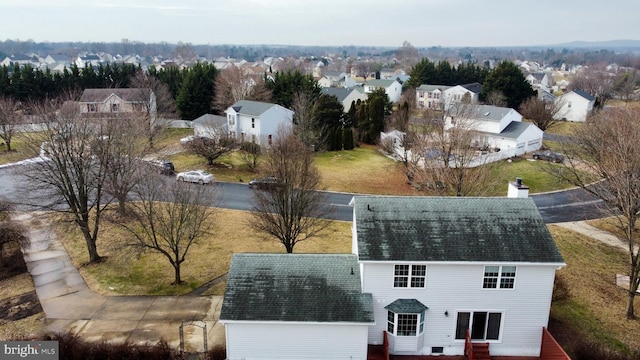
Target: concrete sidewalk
[{"x": 70, "y": 306}]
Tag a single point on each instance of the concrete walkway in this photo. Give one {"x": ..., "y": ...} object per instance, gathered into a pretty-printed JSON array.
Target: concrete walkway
[
  {"x": 70, "y": 306},
  {"x": 583, "y": 228}
]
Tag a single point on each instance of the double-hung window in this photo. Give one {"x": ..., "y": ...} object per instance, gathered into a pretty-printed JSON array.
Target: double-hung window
[
  {"x": 503, "y": 277},
  {"x": 410, "y": 276}
]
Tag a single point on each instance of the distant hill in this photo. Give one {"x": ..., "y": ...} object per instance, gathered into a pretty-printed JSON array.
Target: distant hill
[{"x": 610, "y": 44}]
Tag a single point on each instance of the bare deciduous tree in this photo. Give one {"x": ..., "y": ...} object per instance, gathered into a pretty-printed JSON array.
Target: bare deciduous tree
[
  {"x": 292, "y": 210},
  {"x": 595, "y": 80},
  {"x": 445, "y": 159},
  {"x": 407, "y": 55},
  {"x": 156, "y": 104},
  {"x": 541, "y": 113},
  {"x": 169, "y": 219},
  {"x": 73, "y": 177},
  {"x": 211, "y": 148},
  {"x": 496, "y": 98},
  {"x": 10, "y": 119},
  {"x": 608, "y": 147},
  {"x": 123, "y": 147},
  {"x": 234, "y": 84},
  {"x": 306, "y": 128}
]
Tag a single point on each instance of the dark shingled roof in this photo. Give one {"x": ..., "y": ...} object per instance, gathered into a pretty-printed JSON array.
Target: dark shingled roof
[
  {"x": 584, "y": 94},
  {"x": 296, "y": 288},
  {"x": 251, "y": 108},
  {"x": 406, "y": 306},
  {"x": 126, "y": 94},
  {"x": 452, "y": 229}
]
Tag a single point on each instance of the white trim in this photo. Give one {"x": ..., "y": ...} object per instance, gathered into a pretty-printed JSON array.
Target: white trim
[
  {"x": 488, "y": 262},
  {"x": 294, "y": 322}
]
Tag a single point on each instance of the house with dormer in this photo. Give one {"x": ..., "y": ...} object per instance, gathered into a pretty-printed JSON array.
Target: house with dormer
[
  {"x": 440, "y": 97},
  {"x": 256, "y": 121},
  {"x": 295, "y": 306},
  {"x": 449, "y": 274}
]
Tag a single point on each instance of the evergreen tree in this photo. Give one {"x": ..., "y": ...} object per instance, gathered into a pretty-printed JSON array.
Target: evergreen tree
[
  {"x": 197, "y": 91},
  {"x": 284, "y": 85},
  {"x": 347, "y": 139},
  {"x": 507, "y": 79}
]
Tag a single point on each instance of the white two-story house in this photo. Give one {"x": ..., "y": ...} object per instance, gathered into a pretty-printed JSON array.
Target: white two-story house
[
  {"x": 575, "y": 105},
  {"x": 256, "y": 121},
  {"x": 441, "y": 269}
]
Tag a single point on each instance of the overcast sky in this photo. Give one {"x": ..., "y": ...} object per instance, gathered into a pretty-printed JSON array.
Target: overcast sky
[{"x": 323, "y": 22}]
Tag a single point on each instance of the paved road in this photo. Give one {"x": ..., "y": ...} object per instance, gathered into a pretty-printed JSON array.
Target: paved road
[{"x": 555, "y": 207}]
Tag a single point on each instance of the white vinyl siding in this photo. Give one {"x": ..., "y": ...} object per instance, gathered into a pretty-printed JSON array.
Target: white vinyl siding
[
  {"x": 272, "y": 341},
  {"x": 456, "y": 287}
]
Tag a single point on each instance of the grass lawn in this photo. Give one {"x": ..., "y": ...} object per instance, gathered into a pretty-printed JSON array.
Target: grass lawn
[
  {"x": 19, "y": 150},
  {"x": 122, "y": 273},
  {"x": 592, "y": 307}
]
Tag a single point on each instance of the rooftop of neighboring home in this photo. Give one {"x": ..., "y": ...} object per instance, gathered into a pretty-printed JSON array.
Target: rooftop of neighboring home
[
  {"x": 484, "y": 112},
  {"x": 252, "y": 108},
  {"x": 452, "y": 229},
  {"x": 295, "y": 288},
  {"x": 584, "y": 94},
  {"x": 126, "y": 94}
]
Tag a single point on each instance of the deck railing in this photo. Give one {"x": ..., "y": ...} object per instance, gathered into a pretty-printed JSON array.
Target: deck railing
[
  {"x": 468, "y": 347},
  {"x": 550, "y": 349}
]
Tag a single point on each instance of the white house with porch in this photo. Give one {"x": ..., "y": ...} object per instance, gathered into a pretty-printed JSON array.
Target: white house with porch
[
  {"x": 256, "y": 121},
  {"x": 446, "y": 272}
]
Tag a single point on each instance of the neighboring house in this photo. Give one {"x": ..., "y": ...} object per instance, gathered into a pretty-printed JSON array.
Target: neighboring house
[
  {"x": 84, "y": 61},
  {"x": 438, "y": 267},
  {"x": 58, "y": 59},
  {"x": 498, "y": 128},
  {"x": 19, "y": 59},
  {"x": 466, "y": 93},
  {"x": 540, "y": 80},
  {"x": 256, "y": 121},
  {"x": 575, "y": 105},
  {"x": 119, "y": 102},
  {"x": 295, "y": 306},
  {"x": 346, "y": 96},
  {"x": 441, "y": 97},
  {"x": 336, "y": 79},
  {"x": 392, "y": 88},
  {"x": 430, "y": 96},
  {"x": 210, "y": 126}
]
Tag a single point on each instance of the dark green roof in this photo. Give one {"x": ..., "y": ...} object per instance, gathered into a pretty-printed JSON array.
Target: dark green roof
[
  {"x": 406, "y": 306},
  {"x": 452, "y": 229},
  {"x": 296, "y": 288}
]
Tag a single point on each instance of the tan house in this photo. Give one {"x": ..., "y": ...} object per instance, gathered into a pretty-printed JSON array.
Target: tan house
[{"x": 118, "y": 102}]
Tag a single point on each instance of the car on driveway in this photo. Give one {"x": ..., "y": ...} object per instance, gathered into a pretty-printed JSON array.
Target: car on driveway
[
  {"x": 195, "y": 176},
  {"x": 267, "y": 182},
  {"x": 164, "y": 167},
  {"x": 549, "y": 156}
]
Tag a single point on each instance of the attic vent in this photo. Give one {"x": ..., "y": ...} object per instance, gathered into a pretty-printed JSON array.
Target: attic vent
[{"x": 487, "y": 113}]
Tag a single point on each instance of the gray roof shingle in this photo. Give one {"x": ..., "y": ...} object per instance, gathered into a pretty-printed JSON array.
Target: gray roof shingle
[
  {"x": 252, "y": 108},
  {"x": 452, "y": 229},
  {"x": 126, "y": 94},
  {"x": 296, "y": 288}
]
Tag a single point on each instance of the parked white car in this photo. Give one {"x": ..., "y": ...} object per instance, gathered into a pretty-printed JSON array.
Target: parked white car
[{"x": 195, "y": 176}]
